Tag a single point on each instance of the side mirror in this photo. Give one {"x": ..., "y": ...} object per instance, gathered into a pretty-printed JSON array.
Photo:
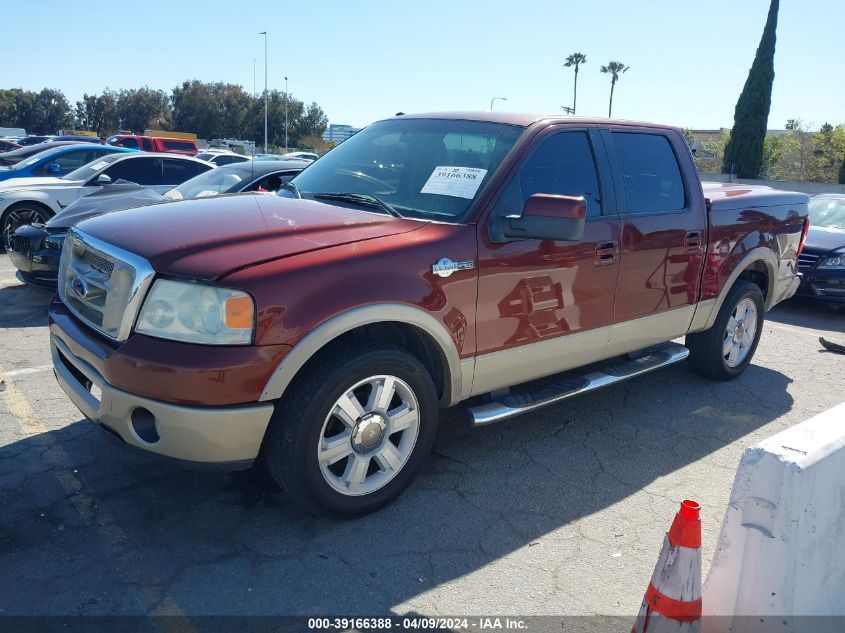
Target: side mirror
[
  {"x": 544, "y": 217},
  {"x": 54, "y": 168},
  {"x": 102, "y": 180}
]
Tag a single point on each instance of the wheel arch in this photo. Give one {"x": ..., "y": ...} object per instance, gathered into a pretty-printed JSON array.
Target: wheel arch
[
  {"x": 421, "y": 333},
  {"x": 758, "y": 266}
]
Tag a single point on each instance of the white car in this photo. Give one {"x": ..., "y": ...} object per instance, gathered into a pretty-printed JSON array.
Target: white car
[
  {"x": 221, "y": 157},
  {"x": 31, "y": 200}
]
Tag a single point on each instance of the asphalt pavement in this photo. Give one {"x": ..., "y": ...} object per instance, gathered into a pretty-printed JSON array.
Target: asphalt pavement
[{"x": 560, "y": 511}]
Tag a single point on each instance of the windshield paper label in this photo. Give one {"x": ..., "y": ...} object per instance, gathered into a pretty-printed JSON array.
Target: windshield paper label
[
  {"x": 99, "y": 165},
  {"x": 460, "y": 182}
]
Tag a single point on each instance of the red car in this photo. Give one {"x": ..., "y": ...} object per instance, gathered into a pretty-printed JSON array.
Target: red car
[
  {"x": 499, "y": 262},
  {"x": 7, "y": 146},
  {"x": 155, "y": 144}
]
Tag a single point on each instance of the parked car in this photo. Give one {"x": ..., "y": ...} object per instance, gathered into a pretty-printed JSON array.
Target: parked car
[
  {"x": 33, "y": 140},
  {"x": 222, "y": 158},
  {"x": 35, "y": 250},
  {"x": 58, "y": 161},
  {"x": 37, "y": 199},
  {"x": 81, "y": 138},
  {"x": 428, "y": 261},
  {"x": 303, "y": 155},
  {"x": 822, "y": 262},
  {"x": 6, "y": 146},
  {"x": 15, "y": 156},
  {"x": 183, "y": 146}
]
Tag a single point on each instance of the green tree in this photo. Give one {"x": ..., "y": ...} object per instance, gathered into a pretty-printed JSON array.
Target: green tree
[
  {"x": 141, "y": 108},
  {"x": 47, "y": 111},
  {"x": 744, "y": 152},
  {"x": 98, "y": 113},
  {"x": 575, "y": 60},
  {"x": 614, "y": 69},
  {"x": 841, "y": 179}
]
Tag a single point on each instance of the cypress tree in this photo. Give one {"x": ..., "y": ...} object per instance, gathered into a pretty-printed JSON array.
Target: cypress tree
[{"x": 744, "y": 151}]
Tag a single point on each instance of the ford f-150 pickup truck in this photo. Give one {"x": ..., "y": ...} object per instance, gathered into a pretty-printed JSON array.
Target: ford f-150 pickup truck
[{"x": 502, "y": 261}]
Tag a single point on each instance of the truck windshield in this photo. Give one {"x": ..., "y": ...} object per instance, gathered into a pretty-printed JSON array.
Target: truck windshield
[{"x": 423, "y": 168}]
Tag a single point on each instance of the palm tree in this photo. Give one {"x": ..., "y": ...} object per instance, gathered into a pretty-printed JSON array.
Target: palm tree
[
  {"x": 614, "y": 69},
  {"x": 576, "y": 59}
]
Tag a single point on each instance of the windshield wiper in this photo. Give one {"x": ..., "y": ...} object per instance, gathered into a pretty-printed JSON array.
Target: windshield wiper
[
  {"x": 290, "y": 186},
  {"x": 360, "y": 198}
]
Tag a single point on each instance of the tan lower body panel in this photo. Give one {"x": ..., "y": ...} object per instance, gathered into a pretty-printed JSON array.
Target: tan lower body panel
[
  {"x": 199, "y": 434},
  {"x": 528, "y": 362}
]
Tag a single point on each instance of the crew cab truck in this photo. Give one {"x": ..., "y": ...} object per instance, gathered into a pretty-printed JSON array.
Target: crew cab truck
[{"x": 429, "y": 261}]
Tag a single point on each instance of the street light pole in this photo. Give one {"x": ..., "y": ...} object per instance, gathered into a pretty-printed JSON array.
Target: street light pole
[
  {"x": 494, "y": 99},
  {"x": 286, "y": 115},
  {"x": 253, "y": 77},
  {"x": 266, "y": 94}
]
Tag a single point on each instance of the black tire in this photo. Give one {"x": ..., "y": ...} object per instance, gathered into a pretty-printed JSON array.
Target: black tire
[
  {"x": 706, "y": 348},
  {"x": 289, "y": 451},
  {"x": 38, "y": 211}
]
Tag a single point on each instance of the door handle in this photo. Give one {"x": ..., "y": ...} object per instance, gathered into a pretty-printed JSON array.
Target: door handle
[
  {"x": 692, "y": 242},
  {"x": 607, "y": 253}
]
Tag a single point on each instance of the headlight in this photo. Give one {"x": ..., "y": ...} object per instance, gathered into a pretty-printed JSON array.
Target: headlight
[
  {"x": 195, "y": 313},
  {"x": 837, "y": 261}
]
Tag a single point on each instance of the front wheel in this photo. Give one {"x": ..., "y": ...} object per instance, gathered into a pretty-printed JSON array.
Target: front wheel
[
  {"x": 19, "y": 215},
  {"x": 350, "y": 434},
  {"x": 726, "y": 349}
]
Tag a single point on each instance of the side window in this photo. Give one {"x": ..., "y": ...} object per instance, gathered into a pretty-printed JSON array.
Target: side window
[
  {"x": 269, "y": 183},
  {"x": 563, "y": 164},
  {"x": 67, "y": 162},
  {"x": 130, "y": 143},
  {"x": 651, "y": 173},
  {"x": 142, "y": 171},
  {"x": 178, "y": 171},
  {"x": 179, "y": 145},
  {"x": 147, "y": 144}
]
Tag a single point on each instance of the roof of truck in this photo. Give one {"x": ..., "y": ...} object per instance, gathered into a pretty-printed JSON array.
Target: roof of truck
[{"x": 525, "y": 118}]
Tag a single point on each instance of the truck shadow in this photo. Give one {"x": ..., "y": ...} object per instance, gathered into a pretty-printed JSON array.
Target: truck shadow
[
  {"x": 24, "y": 306},
  {"x": 223, "y": 543}
]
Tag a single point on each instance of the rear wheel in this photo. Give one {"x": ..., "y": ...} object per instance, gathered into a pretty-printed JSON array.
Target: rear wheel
[
  {"x": 19, "y": 215},
  {"x": 726, "y": 349},
  {"x": 349, "y": 435}
]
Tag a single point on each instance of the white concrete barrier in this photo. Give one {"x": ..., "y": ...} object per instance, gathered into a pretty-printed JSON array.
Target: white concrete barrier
[{"x": 781, "y": 551}]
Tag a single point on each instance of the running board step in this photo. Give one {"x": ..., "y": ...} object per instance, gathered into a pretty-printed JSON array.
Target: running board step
[{"x": 526, "y": 398}]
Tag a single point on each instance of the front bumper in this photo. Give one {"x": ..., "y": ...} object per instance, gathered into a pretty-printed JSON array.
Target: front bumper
[
  {"x": 218, "y": 435},
  {"x": 37, "y": 263},
  {"x": 826, "y": 285}
]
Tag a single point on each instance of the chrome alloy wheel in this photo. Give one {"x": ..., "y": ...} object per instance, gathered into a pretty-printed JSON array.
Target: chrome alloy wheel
[
  {"x": 19, "y": 217},
  {"x": 740, "y": 332},
  {"x": 368, "y": 435}
]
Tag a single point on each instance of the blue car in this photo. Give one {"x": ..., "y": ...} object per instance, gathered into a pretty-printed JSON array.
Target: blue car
[
  {"x": 59, "y": 161},
  {"x": 822, "y": 261}
]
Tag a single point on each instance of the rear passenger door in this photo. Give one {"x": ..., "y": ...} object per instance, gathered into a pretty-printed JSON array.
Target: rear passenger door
[{"x": 664, "y": 225}]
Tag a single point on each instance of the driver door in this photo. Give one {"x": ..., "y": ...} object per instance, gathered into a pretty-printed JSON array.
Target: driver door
[{"x": 545, "y": 306}]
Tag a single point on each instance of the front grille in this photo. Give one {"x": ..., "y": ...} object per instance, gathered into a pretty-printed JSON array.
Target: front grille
[
  {"x": 20, "y": 244},
  {"x": 807, "y": 260},
  {"x": 103, "y": 285}
]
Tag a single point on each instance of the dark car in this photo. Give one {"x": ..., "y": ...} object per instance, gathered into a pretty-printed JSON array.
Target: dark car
[
  {"x": 822, "y": 262},
  {"x": 13, "y": 157},
  {"x": 33, "y": 140},
  {"x": 36, "y": 249},
  {"x": 8, "y": 146}
]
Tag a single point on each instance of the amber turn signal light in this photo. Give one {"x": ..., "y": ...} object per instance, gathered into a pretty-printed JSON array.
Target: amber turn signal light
[{"x": 239, "y": 312}]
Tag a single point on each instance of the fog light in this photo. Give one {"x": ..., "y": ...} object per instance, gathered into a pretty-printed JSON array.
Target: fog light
[{"x": 144, "y": 424}]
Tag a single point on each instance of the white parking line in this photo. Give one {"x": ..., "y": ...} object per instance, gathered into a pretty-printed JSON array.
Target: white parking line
[{"x": 28, "y": 370}]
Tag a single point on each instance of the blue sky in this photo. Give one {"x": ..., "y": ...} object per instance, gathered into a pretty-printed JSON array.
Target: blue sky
[{"x": 365, "y": 60}]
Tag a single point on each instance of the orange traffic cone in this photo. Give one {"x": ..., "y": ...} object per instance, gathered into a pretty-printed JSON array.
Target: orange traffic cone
[{"x": 672, "y": 601}]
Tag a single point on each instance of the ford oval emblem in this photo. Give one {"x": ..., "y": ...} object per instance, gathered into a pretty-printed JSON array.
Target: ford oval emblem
[{"x": 79, "y": 287}]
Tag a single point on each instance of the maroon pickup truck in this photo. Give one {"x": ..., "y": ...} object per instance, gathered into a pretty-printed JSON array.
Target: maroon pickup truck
[{"x": 428, "y": 261}]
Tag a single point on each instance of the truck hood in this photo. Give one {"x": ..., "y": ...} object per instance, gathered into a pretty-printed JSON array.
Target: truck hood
[{"x": 209, "y": 238}]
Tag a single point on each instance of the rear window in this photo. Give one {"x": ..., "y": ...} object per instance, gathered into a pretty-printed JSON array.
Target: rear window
[
  {"x": 180, "y": 145},
  {"x": 650, "y": 169},
  {"x": 129, "y": 142}
]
